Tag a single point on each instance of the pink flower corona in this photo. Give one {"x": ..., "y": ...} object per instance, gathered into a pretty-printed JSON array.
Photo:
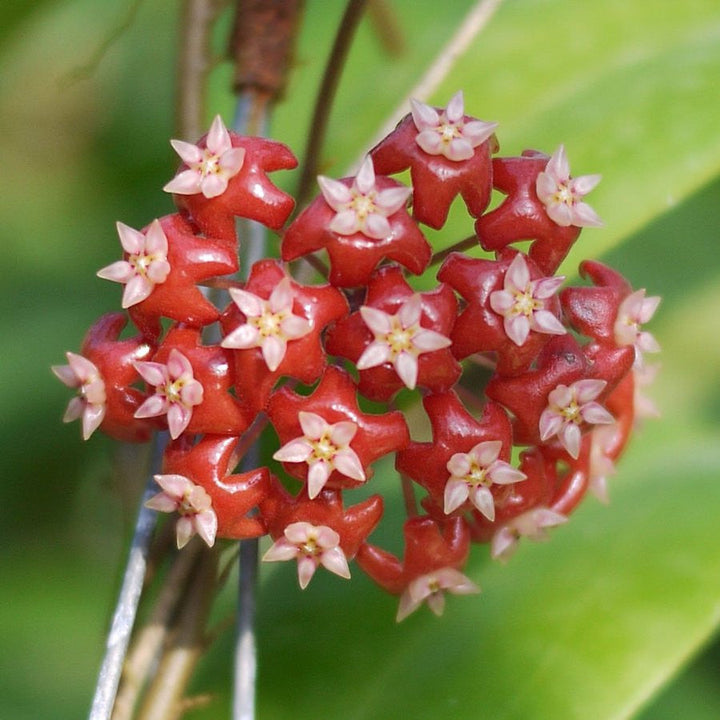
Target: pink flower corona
[
  {"x": 362, "y": 207},
  {"x": 176, "y": 391},
  {"x": 521, "y": 302},
  {"x": 472, "y": 474},
  {"x": 312, "y": 546},
  {"x": 324, "y": 448},
  {"x": 568, "y": 407},
  {"x": 562, "y": 195},
  {"x": 181, "y": 495},
  {"x": 399, "y": 339},
  {"x": 209, "y": 167},
  {"x": 146, "y": 265},
  {"x": 447, "y": 133},
  {"x": 431, "y": 589},
  {"x": 270, "y": 323},
  {"x": 89, "y": 403}
]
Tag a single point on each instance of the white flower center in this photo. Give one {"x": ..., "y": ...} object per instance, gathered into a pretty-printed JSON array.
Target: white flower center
[
  {"x": 448, "y": 132},
  {"x": 571, "y": 412},
  {"x": 477, "y": 475},
  {"x": 363, "y": 205},
  {"x": 564, "y": 195},
  {"x": 323, "y": 449},
  {"x": 210, "y": 164},
  {"x": 525, "y": 303}
]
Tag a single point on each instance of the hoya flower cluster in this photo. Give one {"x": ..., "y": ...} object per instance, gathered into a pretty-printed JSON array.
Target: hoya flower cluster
[{"x": 509, "y": 457}]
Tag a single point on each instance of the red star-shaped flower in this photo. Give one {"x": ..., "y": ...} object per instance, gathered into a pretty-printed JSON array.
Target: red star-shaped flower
[
  {"x": 429, "y": 363},
  {"x": 209, "y": 463},
  {"x": 467, "y": 463},
  {"x": 299, "y": 527},
  {"x": 218, "y": 412},
  {"x": 438, "y": 174},
  {"x": 303, "y": 357},
  {"x": 192, "y": 259},
  {"x": 610, "y": 312},
  {"x": 430, "y": 566},
  {"x": 326, "y": 439},
  {"x": 482, "y": 328},
  {"x": 522, "y": 215},
  {"x": 247, "y": 192},
  {"x": 103, "y": 373},
  {"x": 354, "y": 244},
  {"x": 561, "y": 364}
]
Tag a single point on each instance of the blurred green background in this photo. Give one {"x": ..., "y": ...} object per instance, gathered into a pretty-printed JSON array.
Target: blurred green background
[{"x": 615, "y": 617}]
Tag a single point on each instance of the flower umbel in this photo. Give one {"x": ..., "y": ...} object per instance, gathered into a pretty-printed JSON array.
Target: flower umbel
[
  {"x": 176, "y": 391},
  {"x": 472, "y": 474},
  {"x": 521, "y": 302},
  {"x": 324, "y": 448},
  {"x": 399, "y": 339},
  {"x": 562, "y": 195},
  {"x": 568, "y": 407},
  {"x": 361, "y": 207},
  {"x": 431, "y": 588},
  {"x": 146, "y": 265},
  {"x": 192, "y": 503},
  {"x": 270, "y": 323},
  {"x": 89, "y": 403},
  {"x": 210, "y": 167},
  {"x": 447, "y": 133},
  {"x": 312, "y": 546}
]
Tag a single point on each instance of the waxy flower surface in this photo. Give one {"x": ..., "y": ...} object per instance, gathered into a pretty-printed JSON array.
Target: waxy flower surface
[
  {"x": 431, "y": 589},
  {"x": 568, "y": 407},
  {"x": 89, "y": 403},
  {"x": 399, "y": 339},
  {"x": 521, "y": 302},
  {"x": 472, "y": 474},
  {"x": 146, "y": 265},
  {"x": 312, "y": 546},
  {"x": 447, "y": 133},
  {"x": 210, "y": 167},
  {"x": 362, "y": 207},
  {"x": 270, "y": 323},
  {"x": 562, "y": 195},
  {"x": 176, "y": 391},
  {"x": 324, "y": 447},
  {"x": 179, "y": 494}
]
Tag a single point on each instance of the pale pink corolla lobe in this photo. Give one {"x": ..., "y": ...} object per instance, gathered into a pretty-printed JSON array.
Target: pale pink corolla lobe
[
  {"x": 399, "y": 339},
  {"x": 270, "y": 324},
  {"x": 209, "y": 169},
  {"x": 146, "y": 265},
  {"x": 634, "y": 311},
  {"x": 532, "y": 524},
  {"x": 473, "y": 473},
  {"x": 568, "y": 407},
  {"x": 362, "y": 208},
  {"x": 431, "y": 589},
  {"x": 90, "y": 402},
  {"x": 179, "y": 494},
  {"x": 447, "y": 133},
  {"x": 312, "y": 546},
  {"x": 562, "y": 195},
  {"x": 324, "y": 447},
  {"x": 521, "y": 302},
  {"x": 176, "y": 391}
]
